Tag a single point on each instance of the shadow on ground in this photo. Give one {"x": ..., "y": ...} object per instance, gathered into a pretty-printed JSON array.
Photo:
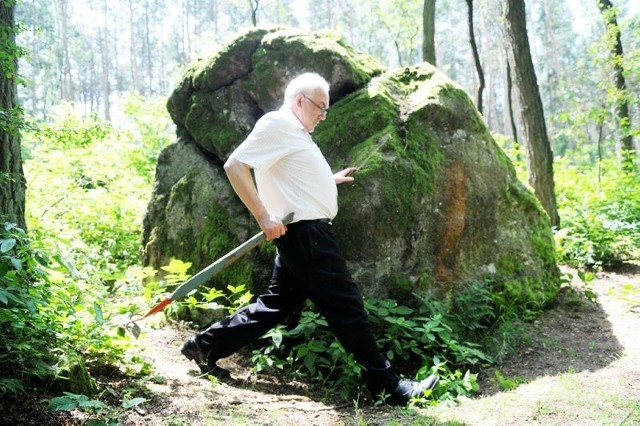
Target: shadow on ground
[{"x": 573, "y": 335}]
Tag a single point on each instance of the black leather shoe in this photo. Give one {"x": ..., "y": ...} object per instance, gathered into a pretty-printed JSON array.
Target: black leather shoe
[
  {"x": 192, "y": 351},
  {"x": 408, "y": 389}
]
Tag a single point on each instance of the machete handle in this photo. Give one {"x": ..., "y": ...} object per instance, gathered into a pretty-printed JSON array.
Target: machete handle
[{"x": 287, "y": 219}]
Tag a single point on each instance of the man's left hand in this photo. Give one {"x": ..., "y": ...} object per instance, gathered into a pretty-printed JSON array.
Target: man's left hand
[{"x": 343, "y": 175}]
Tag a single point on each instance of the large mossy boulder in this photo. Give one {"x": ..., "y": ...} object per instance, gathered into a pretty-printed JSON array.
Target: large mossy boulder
[{"x": 435, "y": 205}]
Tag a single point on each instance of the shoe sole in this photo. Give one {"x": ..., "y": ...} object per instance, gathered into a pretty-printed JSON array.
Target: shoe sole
[{"x": 216, "y": 371}]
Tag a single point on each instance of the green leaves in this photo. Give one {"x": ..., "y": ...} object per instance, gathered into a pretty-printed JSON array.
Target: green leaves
[
  {"x": 71, "y": 401},
  {"x": 48, "y": 312},
  {"x": 408, "y": 336},
  {"x": 600, "y": 210},
  {"x": 6, "y": 295},
  {"x": 133, "y": 402},
  {"x": 106, "y": 414},
  {"x": 98, "y": 313},
  {"x": 7, "y": 244}
]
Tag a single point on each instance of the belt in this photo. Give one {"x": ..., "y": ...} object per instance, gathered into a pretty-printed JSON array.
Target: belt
[{"x": 321, "y": 220}]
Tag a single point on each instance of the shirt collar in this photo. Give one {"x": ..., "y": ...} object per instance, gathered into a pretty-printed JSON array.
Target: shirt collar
[{"x": 289, "y": 115}]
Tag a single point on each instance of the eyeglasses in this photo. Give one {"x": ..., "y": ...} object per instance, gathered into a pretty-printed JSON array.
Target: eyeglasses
[{"x": 322, "y": 110}]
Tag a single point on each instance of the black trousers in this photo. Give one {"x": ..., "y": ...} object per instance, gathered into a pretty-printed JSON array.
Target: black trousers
[{"x": 310, "y": 265}]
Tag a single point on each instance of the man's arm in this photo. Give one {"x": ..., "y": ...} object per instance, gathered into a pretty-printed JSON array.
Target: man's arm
[{"x": 239, "y": 175}]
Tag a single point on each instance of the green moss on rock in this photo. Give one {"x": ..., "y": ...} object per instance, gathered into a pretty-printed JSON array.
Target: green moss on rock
[
  {"x": 317, "y": 52},
  {"x": 509, "y": 265},
  {"x": 435, "y": 205},
  {"x": 232, "y": 61}
]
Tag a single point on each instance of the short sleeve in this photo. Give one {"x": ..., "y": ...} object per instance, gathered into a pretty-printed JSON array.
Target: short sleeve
[{"x": 265, "y": 145}]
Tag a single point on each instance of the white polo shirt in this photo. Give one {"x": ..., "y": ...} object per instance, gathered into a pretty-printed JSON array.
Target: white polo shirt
[{"x": 290, "y": 171}]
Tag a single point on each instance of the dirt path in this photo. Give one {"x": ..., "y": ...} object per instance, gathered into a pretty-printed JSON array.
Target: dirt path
[
  {"x": 186, "y": 398},
  {"x": 581, "y": 367}
]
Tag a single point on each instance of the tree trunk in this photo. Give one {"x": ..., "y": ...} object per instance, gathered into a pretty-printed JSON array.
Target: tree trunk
[
  {"x": 428, "y": 30},
  {"x": 254, "y": 4},
  {"x": 534, "y": 132},
  {"x": 148, "y": 49},
  {"x": 66, "y": 88},
  {"x": 621, "y": 102},
  {"x": 133, "y": 54},
  {"x": 476, "y": 57},
  {"x": 187, "y": 31},
  {"x": 12, "y": 183},
  {"x": 106, "y": 65},
  {"x": 512, "y": 118}
]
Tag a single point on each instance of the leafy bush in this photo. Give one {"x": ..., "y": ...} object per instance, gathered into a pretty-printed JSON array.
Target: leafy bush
[
  {"x": 68, "y": 130},
  {"x": 85, "y": 204},
  {"x": 599, "y": 207},
  {"x": 420, "y": 338},
  {"x": 26, "y": 335},
  {"x": 49, "y": 315},
  {"x": 598, "y": 203},
  {"x": 87, "y": 189}
]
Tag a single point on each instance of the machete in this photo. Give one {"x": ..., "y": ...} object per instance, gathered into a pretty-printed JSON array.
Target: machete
[{"x": 203, "y": 276}]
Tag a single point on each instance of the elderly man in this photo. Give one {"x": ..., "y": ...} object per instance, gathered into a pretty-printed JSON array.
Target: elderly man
[{"x": 292, "y": 175}]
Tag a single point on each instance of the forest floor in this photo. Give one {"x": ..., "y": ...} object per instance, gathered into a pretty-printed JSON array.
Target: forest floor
[{"x": 580, "y": 366}]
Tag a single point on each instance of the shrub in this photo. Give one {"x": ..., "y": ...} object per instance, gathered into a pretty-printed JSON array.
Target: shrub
[
  {"x": 87, "y": 192},
  {"x": 85, "y": 204},
  {"x": 49, "y": 314},
  {"x": 598, "y": 204},
  {"x": 599, "y": 207},
  {"x": 420, "y": 339}
]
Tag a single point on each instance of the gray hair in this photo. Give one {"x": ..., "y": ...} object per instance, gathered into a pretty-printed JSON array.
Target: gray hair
[{"x": 305, "y": 84}]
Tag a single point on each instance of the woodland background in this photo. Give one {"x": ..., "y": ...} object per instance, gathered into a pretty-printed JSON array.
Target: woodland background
[
  {"x": 90, "y": 96},
  {"x": 94, "y": 53}
]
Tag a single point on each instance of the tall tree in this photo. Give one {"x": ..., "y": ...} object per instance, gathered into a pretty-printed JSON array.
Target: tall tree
[
  {"x": 103, "y": 40},
  {"x": 66, "y": 86},
  {"x": 12, "y": 183},
  {"x": 254, "y": 5},
  {"x": 398, "y": 17},
  {"x": 136, "y": 85},
  {"x": 512, "y": 119},
  {"x": 429, "y": 30},
  {"x": 476, "y": 56},
  {"x": 534, "y": 134},
  {"x": 621, "y": 103}
]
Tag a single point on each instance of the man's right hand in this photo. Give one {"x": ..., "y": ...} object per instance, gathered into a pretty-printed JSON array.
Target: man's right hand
[{"x": 271, "y": 226}]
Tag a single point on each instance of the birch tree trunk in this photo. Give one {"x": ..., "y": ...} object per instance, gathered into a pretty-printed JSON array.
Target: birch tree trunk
[
  {"x": 105, "y": 62},
  {"x": 66, "y": 87}
]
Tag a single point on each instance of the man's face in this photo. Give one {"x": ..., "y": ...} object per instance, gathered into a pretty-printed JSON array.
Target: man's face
[{"x": 313, "y": 108}]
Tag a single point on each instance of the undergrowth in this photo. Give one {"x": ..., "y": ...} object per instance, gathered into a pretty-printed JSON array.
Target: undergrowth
[
  {"x": 58, "y": 307},
  {"x": 431, "y": 337},
  {"x": 599, "y": 207}
]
